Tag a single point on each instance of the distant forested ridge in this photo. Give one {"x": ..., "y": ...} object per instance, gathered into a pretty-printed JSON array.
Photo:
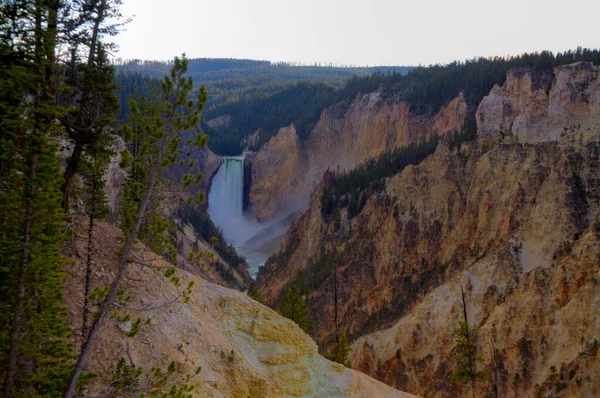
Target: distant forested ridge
[
  {"x": 257, "y": 94},
  {"x": 234, "y": 80},
  {"x": 267, "y": 96}
]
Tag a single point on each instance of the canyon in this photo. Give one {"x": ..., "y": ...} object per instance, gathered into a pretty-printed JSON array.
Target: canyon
[{"x": 512, "y": 218}]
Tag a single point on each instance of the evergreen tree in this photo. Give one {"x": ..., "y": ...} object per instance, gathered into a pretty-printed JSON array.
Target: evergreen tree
[
  {"x": 35, "y": 357},
  {"x": 90, "y": 95},
  {"x": 158, "y": 141},
  {"x": 294, "y": 307},
  {"x": 466, "y": 352},
  {"x": 93, "y": 170},
  {"x": 255, "y": 294},
  {"x": 341, "y": 350}
]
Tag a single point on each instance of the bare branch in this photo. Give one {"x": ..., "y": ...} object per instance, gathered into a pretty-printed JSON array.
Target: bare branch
[{"x": 158, "y": 307}]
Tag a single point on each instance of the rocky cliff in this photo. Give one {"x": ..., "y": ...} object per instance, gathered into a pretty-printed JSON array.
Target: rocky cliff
[
  {"x": 533, "y": 106},
  {"x": 244, "y": 349},
  {"x": 287, "y": 169},
  {"x": 517, "y": 225}
]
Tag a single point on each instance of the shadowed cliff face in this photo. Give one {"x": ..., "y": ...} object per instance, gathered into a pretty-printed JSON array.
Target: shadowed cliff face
[
  {"x": 244, "y": 348},
  {"x": 287, "y": 169},
  {"x": 517, "y": 225}
]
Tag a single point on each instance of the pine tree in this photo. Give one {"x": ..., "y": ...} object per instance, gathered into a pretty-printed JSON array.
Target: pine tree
[
  {"x": 294, "y": 307},
  {"x": 466, "y": 352},
  {"x": 35, "y": 357},
  {"x": 32, "y": 275},
  {"x": 341, "y": 349},
  {"x": 90, "y": 98},
  {"x": 255, "y": 294},
  {"x": 93, "y": 170},
  {"x": 158, "y": 141}
]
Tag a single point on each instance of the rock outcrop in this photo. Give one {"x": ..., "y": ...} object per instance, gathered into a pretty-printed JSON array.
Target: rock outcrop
[
  {"x": 219, "y": 122},
  {"x": 287, "y": 169},
  {"x": 516, "y": 224},
  {"x": 278, "y": 174},
  {"x": 251, "y": 141},
  {"x": 534, "y": 107},
  {"x": 244, "y": 349}
]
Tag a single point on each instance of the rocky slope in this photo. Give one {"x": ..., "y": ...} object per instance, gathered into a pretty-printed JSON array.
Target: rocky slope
[
  {"x": 185, "y": 236},
  {"x": 516, "y": 225},
  {"x": 287, "y": 169},
  {"x": 244, "y": 348}
]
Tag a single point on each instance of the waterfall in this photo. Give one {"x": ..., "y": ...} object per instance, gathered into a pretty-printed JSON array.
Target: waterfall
[
  {"x": 226, "y": 209},
  {"x": 225, "y": 200}
]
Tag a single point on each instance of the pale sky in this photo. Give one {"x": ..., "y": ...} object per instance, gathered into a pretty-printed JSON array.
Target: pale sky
[{"x": 376, "y": 32}]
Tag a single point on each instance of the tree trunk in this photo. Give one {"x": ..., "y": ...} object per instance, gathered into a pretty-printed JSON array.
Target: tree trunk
[
  {"x": 335, "y": 307},
  {"x": 495, "y": 368},
  {"x": 94, "y": 41},
  {"x": 88, "y": 271},
  {"x": 17, "y": 323},
  {"x": 69, "y": 174},
  {"x": 73, "y": 162}
]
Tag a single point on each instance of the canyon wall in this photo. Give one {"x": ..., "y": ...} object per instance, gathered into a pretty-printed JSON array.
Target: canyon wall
[
  {"x": 534, "y": 107},
  {"x": 516, "y": 224},
  {"x": 286, "y": 169}
]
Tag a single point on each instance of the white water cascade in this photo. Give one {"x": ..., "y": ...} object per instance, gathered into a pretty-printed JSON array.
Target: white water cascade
[{"x": 226, "y": 210}]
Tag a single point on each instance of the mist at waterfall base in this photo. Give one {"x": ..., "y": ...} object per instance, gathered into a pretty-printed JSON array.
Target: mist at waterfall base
[{"x": 226, "y": 210}]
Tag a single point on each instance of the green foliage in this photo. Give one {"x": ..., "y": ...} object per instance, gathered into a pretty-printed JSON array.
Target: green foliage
[
  {"x": 261, "y": 95},
  {"x": 131, "y": 381},
  {"x": 352, "y": 189},
  {"x": 149, "y": 148},
  {"x": 93, "y": 170},
  {"x": 235, "y": 80},
  {"x": 466, "y": 355},
  {"x": 425, "y": 89},
  {"x": 124, "y": 378},
  {"x": 45, "y": 356},
  {"x": 341, "y": 349},
  {"x": 155, "y": 134},
  {"x": 225, "y": 272},
  {"x": 318, "y": 271},
  {"x": 255, "y": 294},
  {"x": 35, "y": 353},
  {"x": 294, "y": 307},
  {"x": 258, "y": 94},
  {"x": 298, "y": 104},
  {"x": 356, "y": 185}
]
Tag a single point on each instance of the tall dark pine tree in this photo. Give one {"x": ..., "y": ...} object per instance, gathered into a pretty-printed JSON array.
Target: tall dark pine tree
[
  {"x": 466, "y": 352},
  {"x": 34, "y": 354},
  {"x": 91, "y": 82}
]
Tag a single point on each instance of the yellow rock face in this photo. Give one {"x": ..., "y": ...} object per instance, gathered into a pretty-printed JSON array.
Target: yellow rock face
[
  {"x": 245, "y": 349},
  {"x": 516, "y": 224},
  {"x": 286, "y": 170}
]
